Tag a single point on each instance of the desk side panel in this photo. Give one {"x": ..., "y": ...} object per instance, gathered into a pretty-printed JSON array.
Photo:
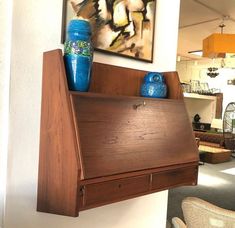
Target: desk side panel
[{"x": 58, "y": 163}]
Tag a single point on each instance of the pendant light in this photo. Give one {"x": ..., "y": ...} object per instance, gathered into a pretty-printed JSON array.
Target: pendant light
[{"x": 218, "y": 44}]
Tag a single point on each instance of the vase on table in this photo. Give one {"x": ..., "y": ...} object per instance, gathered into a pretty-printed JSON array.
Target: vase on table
[{"x": 78, "y": 55}]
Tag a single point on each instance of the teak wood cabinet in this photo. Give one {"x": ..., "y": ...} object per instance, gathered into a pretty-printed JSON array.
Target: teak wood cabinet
[{"x": 109, "y": 144}]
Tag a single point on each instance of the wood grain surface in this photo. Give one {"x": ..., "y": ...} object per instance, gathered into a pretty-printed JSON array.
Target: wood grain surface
[
  {"x": 111, "y": 191},
  {"x": 219, "y": 106},
  {"x": 117, "y": 138},
  {"x": 114, "y": 80},
  {"x": 109, "y": 144},
  {"x": 58, "y": 166}
]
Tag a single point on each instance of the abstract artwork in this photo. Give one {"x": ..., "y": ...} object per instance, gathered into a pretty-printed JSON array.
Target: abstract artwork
[{"x": 123, "y": 27}]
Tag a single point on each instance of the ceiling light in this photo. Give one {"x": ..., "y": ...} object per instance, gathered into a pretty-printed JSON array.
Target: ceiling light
[
  {"x": 212, "y": 72},
  {"x": 198, "y": 52},
  {"x": 217, "y": 45}
]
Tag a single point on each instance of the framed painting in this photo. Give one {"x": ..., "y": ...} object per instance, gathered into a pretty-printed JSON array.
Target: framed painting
[{"x": 121, "y": 27}]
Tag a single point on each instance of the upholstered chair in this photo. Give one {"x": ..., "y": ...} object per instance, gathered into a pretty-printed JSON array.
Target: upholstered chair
[{"x": 201, "y": 214}]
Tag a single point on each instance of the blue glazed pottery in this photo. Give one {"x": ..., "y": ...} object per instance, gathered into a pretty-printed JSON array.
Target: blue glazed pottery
[
  {"x": 78, "y": 55},
  {"x": 154, "y": 85}
]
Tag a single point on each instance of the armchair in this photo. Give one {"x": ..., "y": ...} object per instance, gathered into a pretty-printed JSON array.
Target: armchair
[{"x": 201, "y": 214}]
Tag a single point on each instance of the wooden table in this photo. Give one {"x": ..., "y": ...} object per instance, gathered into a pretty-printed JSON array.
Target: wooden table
[{"x": 214, "y": 155}]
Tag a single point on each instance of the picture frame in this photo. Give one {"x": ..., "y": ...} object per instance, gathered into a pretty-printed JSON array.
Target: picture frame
[{"x": 119, "y": 27}]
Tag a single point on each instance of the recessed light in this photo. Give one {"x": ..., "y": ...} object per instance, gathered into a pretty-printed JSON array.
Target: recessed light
[{"x": 197, "y": 53}]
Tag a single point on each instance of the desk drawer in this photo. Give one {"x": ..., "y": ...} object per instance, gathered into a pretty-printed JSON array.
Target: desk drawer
[
  {"x": 174, "y": 177},
  {"x": 111, "y": 191}
]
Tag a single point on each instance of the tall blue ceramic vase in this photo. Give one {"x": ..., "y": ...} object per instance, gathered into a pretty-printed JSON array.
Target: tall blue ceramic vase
[{"x": 78, "y": 55}]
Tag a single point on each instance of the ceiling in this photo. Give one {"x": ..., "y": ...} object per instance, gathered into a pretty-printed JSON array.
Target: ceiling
[{"x": 201, "y": 18}]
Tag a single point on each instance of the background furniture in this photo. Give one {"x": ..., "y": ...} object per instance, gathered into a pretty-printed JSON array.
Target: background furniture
[
  {"x": 208, "y": 107},
  {"x": 109, "y": 144},
  {"x": 229, "y": 127},
  {"x": 199, "y": 213},
  {"x": 211, "y": 147}
]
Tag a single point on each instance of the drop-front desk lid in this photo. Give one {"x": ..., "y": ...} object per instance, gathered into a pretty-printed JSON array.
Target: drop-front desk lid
[{"x": 120, "y": 134}]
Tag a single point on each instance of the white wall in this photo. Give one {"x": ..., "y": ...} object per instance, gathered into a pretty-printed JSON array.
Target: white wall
[
  {"x": 36, "y": 28},
  {"x": 188, "y": 70},
  {"x": 5, "y": 45},
  {"x": 204, "y": 107}
]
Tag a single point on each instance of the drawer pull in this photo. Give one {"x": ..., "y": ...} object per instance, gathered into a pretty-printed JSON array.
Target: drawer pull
[
  {"x": 135, "y": 106},
  {"x": 82, "y": 190}
]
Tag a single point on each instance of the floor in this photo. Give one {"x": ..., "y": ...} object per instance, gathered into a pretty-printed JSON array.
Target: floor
[{"x": 216, "y": 184}]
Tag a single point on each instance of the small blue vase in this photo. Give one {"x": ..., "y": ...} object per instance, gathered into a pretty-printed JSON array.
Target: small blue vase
[
  {"x": 154, "y": 85},
  {"x": 78, "y": 55}
]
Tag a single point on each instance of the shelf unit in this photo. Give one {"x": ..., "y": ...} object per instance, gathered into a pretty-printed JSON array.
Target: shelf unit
[
  {"x": 209, "y": 107},
  {"x": 199, "y": 96},
  {"x": 109, "y": 144}
]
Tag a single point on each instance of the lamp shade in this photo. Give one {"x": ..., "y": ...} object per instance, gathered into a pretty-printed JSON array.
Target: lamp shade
[
  {"x": 217, "y": 45},
  {"x": 217, "y": 123}
]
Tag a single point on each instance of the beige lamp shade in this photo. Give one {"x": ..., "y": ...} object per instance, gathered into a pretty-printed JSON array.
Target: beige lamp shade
[
  {"x": 217, "y": 123},
  {"x": 217, "y": 45}
]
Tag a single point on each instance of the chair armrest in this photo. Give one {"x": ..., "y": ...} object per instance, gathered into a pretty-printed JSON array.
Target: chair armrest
[{"x": 178, "y": 223}]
